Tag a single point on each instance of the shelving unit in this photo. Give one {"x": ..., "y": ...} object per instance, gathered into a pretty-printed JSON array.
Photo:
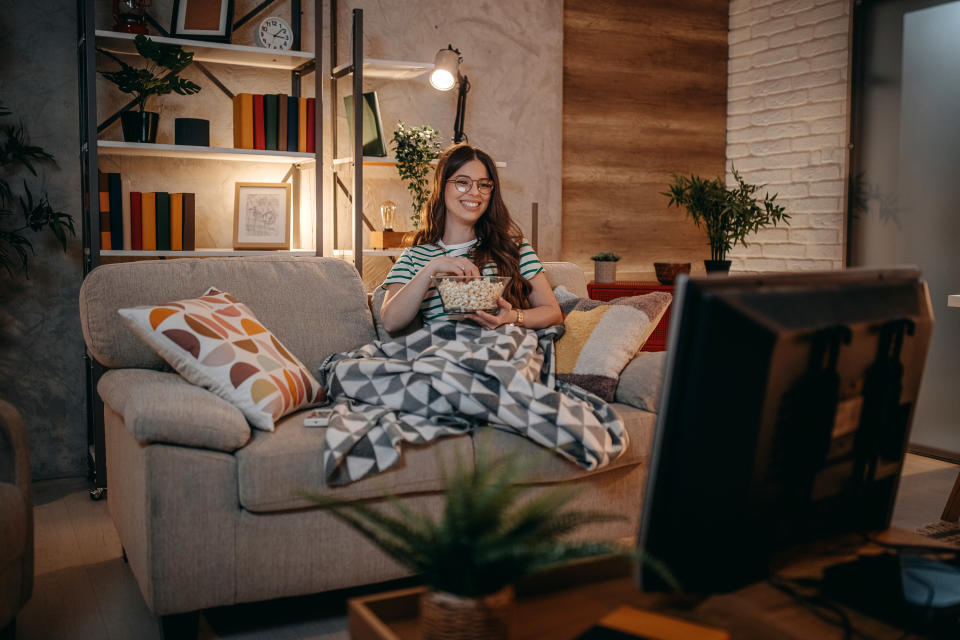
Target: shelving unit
[{"x": 297, "y": 63}]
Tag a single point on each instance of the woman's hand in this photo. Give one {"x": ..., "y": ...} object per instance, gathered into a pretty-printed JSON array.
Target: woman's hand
[
  {"x": 446, "y": 265},
  {"x": 505, "y": 315}
]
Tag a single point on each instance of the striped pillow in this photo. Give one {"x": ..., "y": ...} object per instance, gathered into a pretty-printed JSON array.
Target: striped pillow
[{"x": 602, "y": 337}]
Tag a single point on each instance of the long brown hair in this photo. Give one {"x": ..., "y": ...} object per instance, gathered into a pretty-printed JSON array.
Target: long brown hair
[{"x": 498, "y": 236}]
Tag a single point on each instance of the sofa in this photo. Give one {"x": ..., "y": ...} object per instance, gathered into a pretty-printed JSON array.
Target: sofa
[
  {"x": 207, "y": 509},
  {"x": 16, "y": 520}
]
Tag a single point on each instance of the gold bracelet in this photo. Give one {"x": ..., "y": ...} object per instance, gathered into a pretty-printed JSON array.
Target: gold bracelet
[{"x": 519, "y": 317}]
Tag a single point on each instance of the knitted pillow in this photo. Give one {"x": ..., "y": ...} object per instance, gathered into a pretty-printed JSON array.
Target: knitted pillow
[
  {"x": 216, "y": 342},
  {"x": 602, "y": 337}
]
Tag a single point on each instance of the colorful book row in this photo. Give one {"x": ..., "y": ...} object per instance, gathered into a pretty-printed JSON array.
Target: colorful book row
[
  {"x": 154, "y": 221},
  {"x": 274, "y": 122}
]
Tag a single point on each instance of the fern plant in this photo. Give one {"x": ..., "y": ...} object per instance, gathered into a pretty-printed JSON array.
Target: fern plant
[
  {"x": 415, "y": 148},
  {"x": 486, "y": 538},
  {"x": 26, "y": 211}
]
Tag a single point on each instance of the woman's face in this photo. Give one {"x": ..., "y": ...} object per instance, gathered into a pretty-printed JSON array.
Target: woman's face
[{"x": 466, "y": 208}]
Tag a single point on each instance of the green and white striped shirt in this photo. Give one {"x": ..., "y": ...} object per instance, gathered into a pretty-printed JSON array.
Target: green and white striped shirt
[{"x": 415, "y": 258}]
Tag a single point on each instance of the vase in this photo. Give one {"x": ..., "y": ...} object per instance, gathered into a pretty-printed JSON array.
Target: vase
[
  {"x": 717, "y": 267},
  {"x": 446, "y": 616},
  {"x": 604, "y": 271},
  {"x": 139, "y": 127}
]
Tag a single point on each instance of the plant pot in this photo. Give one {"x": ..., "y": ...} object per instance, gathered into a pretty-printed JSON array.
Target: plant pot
[
  {"x": 721, "y": 267},
  {"x": 604, "y": 271},
  {"x": 449, "y": 617},
  {"x": 139, "y": 127}
]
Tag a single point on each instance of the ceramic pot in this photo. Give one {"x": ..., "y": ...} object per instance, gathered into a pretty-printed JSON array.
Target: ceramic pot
[
  {"x": 139, "y": 127},
  {"x": 717, "y": 267},
  {"x": 449, "y": 617},
  {"x": 604, "y": 271}
]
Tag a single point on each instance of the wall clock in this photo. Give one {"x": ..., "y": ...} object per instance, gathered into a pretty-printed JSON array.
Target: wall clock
[{"x": 275, "y": 33}]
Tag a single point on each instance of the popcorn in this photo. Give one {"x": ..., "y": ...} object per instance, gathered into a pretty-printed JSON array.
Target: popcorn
[{"x": 466, "y": 294}]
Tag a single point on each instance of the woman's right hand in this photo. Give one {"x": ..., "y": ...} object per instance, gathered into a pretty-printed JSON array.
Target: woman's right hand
[{"x": 447, "y": 265}]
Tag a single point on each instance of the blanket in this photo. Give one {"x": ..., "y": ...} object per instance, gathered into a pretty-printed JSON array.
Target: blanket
[{"x": 448, "y": 378}]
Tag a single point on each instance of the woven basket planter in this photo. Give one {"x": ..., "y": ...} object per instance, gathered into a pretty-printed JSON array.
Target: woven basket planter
[
  {"x": 449, "y": 617},
  {"x": 604, "y": 271}
]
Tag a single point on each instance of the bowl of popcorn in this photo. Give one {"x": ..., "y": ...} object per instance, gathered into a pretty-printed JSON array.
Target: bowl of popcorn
[{"x": 462, "y": 295}]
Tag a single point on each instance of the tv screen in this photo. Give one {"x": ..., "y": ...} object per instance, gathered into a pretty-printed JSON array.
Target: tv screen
[{"x": 785, "y": 413}]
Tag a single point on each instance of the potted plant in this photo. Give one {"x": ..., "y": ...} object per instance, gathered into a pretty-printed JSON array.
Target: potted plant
[
  {"x": 485, "y": 540},
  {"x": 36, "y": 212},
  {"x": 605, "y": 266},
  {"x": 729, "y": 214},
  {"x": 415, "y": 148},
  {"x": 159, "y": 77}
]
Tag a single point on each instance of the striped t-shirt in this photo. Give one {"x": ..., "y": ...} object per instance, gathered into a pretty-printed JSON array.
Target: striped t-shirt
[{"x": 415, "y": 258}]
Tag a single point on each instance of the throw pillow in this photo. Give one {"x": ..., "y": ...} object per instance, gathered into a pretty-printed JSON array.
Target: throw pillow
[
  {"x": 641, "y": 381},
  {"x": 602, "y": 337},
  {"x": 216, "y": 342}
]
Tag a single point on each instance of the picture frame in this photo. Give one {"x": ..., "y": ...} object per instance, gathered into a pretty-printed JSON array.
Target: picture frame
[
  {"x": 261, "y": 217},
  {"x": 208, "y": 20},
  {"x": 373, "y": 141}
]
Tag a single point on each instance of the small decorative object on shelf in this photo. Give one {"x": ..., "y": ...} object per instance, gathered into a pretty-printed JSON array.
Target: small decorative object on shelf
[
  {"x": 129, "y": 16},
  {"x": 275, "y": 33},
  {"x": 415, "y": 148},
  {"x": 209, "y": 20},
  {"x": 727, "y": 214},
  {"x": 667, "y": 272},
  {"x": 159, "y": 77},
  {"x": 605, "y": 266},
  {"x": 388, "y": 213},
  {"x": 261, "y": 216},
  {"x": 373, "y": 144},
  {"x": 194, "y": 132}
]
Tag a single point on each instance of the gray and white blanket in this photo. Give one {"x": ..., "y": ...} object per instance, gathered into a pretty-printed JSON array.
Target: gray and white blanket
[{"x": 446, "y": 379}]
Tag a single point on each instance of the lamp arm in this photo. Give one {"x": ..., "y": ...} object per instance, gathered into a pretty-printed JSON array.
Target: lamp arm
[{"x": 458, "y": 134}]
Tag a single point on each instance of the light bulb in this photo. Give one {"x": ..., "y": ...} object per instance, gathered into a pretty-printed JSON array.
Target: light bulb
[{"x": 441, "y": 79}]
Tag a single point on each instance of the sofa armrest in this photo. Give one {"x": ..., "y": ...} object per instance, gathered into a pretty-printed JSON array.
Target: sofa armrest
[
  {"x": 641, "y": 380},
  {"x": 14, "y": 453},
  {"x": 160, "y": 406}
]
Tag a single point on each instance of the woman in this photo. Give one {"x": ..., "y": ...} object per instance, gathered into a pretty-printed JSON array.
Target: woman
[{"x": 467, "y": 230}]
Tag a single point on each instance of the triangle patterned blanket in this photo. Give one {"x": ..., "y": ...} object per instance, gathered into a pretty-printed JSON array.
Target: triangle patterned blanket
[{"x": 446, "y": 379}]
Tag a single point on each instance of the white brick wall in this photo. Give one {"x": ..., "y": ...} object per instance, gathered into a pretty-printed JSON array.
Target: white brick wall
[{"x": 787, "y": 125}]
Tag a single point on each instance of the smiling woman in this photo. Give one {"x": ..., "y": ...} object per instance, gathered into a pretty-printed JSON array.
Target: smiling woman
[{"x": 466, "y": 230}]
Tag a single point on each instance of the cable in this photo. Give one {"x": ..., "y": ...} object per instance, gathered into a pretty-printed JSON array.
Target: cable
[{"x": 815, "y": 604}]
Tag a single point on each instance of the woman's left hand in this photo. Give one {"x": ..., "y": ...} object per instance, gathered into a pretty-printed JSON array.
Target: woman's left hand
[{"x": 504, "y": 315}]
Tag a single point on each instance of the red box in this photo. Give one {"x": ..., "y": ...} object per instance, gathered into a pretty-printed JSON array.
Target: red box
[{"x": 606, "y": 291}]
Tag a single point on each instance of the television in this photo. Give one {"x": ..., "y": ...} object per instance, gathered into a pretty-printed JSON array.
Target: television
[{"x": 784, "y": 417}]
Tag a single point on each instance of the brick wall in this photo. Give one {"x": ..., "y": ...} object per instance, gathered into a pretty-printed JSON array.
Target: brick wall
[{"x": 787, "y": 125}]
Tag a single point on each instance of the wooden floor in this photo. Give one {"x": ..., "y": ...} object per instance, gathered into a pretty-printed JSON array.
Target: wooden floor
[{"x": 84, "y": 591}]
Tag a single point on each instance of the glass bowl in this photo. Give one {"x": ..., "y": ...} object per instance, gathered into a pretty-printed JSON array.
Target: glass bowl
[{"x": 462, "y": 295}]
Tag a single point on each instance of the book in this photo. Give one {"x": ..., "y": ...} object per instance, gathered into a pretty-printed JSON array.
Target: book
[
  {"x": 116, "y": 210},
  {"x": 148, "y": 226},
  {"x": 293, "y": 128},
  {"x": 104, "y": 209},
  {"x": 311, "y": 124},
  {"x": 127, "y": 242},
  {"x": 259, "y": 141},
  {"x": 176, "y": 222},
  {"x": 243, "y": 121},
  {"x": 302, "y": 125},
  {"x": 189, "y": 222},
  {"x": 373, "y": 143},
  {"x": 136, "y": 219},
  {"x": 627, "y": 622},
  {"x": 281, "y": 122},
  {"x": 271, "y": 121},
  {"x": 163, "y": 221}
]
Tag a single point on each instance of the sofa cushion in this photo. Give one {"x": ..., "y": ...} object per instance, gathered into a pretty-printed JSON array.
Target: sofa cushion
[
  {"x": 275, "y": 466},
  {"x": 216, "y": 342},
  {"x": 641, "y": 381},
  {"x": 544, "y": 466}
]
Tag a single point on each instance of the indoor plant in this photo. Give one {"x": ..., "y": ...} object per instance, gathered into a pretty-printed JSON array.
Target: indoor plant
[
  {"x": 415, "y": 148},
  {"x": 605, "y": 266},
  {"x": 159, "y": 77},
  {"x": 484, "y": 541},
  {"x": 37, "y": 213},
  {"x": 729, "y": 214}
]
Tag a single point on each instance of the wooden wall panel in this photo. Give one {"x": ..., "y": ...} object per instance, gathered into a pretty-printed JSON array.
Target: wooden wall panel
[{"x": 644, "y": 96}]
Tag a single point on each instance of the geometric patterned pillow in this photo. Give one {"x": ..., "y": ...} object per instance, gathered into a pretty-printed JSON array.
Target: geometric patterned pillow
[
  {"x": 602, "y": 337},
  {"x": 216, "y": 342}
]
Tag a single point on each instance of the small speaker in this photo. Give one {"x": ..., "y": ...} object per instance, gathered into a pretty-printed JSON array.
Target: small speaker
[{"x": 192, "y": 131}]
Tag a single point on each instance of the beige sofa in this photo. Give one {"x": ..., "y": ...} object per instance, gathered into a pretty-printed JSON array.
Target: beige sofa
[
  {"x": 207, "y": 508},
  {"x": 16, "y": 520}
]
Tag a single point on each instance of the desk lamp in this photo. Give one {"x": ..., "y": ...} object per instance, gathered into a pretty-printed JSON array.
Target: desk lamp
[{"x": 446, "y": 74}]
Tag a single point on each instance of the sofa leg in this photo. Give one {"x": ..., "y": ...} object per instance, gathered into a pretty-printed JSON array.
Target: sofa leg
[
  {"x": 9, "y": 632},
  {"x": 180, "y": 626}
]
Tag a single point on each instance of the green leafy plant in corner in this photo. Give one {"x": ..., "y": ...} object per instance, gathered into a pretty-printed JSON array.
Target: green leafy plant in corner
[
  {"x": 415, "y": 148},
  {"x": 159, "y": 77},
  {"x": 728, "y": 214},
  {"x": 28, "y": 211},
  {"x": 486, "y": 538},
  {"x": 605, "y": 256}
]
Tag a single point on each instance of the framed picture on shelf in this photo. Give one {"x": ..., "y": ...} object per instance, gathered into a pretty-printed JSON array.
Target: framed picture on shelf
[
  {"x": 261, "y": 218},
  {"x": 373, "y": 143},
  {"x": 210, "y": 20}
]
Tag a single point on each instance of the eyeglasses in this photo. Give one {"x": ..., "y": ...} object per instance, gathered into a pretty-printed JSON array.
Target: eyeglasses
[{"x": 464, "y": 184}]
